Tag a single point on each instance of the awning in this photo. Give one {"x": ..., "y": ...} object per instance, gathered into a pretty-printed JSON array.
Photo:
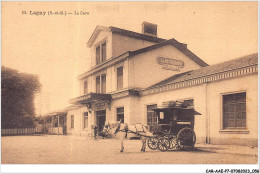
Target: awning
[
  {"x": 91, "y": 97},
  {"x": 176, "y": 108}
]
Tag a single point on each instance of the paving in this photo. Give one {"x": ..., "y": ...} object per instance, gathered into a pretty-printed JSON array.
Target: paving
[{"x": 53, "y": 149}]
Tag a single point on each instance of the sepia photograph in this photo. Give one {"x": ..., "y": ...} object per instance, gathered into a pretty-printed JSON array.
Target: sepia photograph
[{"x": 170, "y": 82}]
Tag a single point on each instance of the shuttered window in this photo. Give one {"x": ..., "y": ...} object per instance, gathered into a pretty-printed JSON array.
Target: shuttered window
[
  {"x": 97, "y": 55},
  {"x": 103, "y": 84},
  {"x": 234, "y": 111},
  {"x": 119, "y": 78},
  {"x": 98, "y": 84},
  {"x": 104, "y": 55},
  {"x": 101, "y": 53}
]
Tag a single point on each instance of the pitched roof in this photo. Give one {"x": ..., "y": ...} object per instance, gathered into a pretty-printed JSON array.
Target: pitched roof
[
  {"x": 122, "y": 32},
  {"x": 209, "y": 70},
  {"x": 177, "y": 45},
  {"x": 135, "y": 34},
  {"x": 125, "y": 33}
]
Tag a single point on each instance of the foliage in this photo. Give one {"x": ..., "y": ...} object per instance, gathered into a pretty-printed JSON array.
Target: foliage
[{"x": 17, "y": 92}]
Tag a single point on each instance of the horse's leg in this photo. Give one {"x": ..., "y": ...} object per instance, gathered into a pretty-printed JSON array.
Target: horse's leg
[
  {"x": 122, "y": 144},
  {"x": 143, "y": 143}
]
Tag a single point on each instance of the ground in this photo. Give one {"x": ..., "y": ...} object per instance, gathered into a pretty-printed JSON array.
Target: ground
[{"x": 53, "y": 149}]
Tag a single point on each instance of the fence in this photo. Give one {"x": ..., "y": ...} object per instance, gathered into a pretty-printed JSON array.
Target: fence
[
  {"x": 18, "y": 131},
  {"x": 55, "y": 130}
]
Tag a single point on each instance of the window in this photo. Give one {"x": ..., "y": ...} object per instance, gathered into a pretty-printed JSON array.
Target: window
[
  {"x": 104, "y": 55},
  {"x": 234, "y": 111},
  {"x": 120, "y": 78},
  {"x": 98, "y": 84},
  {"x": 72, "y": 121},
  {"x": 151, "y": 115},
  {"x": 120, "y": 114},
  {"x": 85, "y": 115},
  {"x": 101, "y": 84},
  {"x": 101, "y": 54},
  {"x": 98, "y": 55},
  {"x": 85, "y": 87}
]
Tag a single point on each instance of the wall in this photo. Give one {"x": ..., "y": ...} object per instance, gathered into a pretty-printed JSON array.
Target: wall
[
  {"x": 246, "y": 84},
  {"x": 78, "y": 121},
  {"x": 143, "y": 64},
  {"x": 121, "y": 102},
  {"x": 135, "y": 110},
  {"x": 122, "y": 44}
]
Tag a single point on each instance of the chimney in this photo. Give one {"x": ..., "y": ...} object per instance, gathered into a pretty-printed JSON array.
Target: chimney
[{"x": 149, "y": 29}]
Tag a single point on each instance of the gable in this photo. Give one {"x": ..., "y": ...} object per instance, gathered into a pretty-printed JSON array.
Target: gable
[
  {"x": 96, "y": 32},
  {"x": 101, "y": 37},
  {"x": 180, "y": 46},
  {"x": 163, "y": 62}
]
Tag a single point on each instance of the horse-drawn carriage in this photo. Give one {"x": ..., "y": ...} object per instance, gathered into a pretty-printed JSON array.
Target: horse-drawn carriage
[{"x": 174, "y": 128}]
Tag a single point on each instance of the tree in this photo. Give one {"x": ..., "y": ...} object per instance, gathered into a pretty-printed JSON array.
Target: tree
[{"x": 18, "y": 91}]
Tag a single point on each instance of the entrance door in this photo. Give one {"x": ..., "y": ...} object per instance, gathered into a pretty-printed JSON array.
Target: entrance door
[{"x": 101, "y": 119}]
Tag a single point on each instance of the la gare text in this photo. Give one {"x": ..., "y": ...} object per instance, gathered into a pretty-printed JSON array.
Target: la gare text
[{"x": 53, "y": 13}]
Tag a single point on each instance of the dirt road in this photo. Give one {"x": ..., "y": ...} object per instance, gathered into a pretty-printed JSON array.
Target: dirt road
[{"x": 53, "y": 149}]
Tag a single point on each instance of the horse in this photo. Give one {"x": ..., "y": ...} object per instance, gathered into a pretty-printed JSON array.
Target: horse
[{"x": 122, "y": 130}]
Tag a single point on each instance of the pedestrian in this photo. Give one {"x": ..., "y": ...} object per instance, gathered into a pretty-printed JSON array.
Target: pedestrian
[{"x": 95, "y": 132}]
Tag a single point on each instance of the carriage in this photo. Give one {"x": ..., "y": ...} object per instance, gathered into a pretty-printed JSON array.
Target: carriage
[{"x": 175, "y": 128}]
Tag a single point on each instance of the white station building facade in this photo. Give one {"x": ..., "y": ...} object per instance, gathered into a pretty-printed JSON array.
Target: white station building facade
[{"x": 132, "y": 73}]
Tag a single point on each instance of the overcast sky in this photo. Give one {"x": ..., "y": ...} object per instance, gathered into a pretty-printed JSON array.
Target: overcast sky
[{"x": 54, "y": 47}]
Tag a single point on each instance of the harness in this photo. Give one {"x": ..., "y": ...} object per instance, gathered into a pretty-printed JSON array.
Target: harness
[
  {"x": 126, "y": 130},
  {"x": 138, "y": 130}
]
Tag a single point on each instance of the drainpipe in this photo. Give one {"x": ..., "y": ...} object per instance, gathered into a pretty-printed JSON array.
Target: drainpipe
[
  {"x": 58, "y": 124},
  {"x": 207, "y": 116},
  {"x": 52, "y": 125}
]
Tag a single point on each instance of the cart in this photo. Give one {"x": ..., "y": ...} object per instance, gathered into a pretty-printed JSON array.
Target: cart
[{"x": 175, "y": 129}]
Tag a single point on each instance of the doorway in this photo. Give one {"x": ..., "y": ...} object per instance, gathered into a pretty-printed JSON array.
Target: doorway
[{"x": 101, "y": 119}]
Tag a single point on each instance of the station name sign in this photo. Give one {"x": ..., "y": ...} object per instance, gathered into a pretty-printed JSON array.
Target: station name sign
[
  {"x": 170, "y": 64},
  {"x": 100, "y": 106}
]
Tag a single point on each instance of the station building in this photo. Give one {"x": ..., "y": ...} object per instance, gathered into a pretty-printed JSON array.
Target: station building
[{"x": 132, "y": 73}]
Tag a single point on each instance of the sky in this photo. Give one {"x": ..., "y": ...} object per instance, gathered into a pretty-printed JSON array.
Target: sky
[{"x": 54, "y": 47}]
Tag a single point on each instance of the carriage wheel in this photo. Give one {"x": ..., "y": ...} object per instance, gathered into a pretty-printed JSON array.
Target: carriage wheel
[
  {"x": 173, "y": 143},
  {"x": 186, "y": 138},
  {"x": 152, "y": 143},
  {"x": 163, "y": 144}
]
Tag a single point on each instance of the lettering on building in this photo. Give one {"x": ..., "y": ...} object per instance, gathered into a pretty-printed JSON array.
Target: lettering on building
[
  {"x": 100, "y": 106},
  {"x": 170, "y": 64}
]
